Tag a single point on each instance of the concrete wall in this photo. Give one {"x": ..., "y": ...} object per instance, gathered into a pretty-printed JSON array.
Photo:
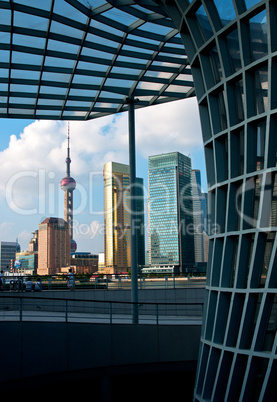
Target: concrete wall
[
  {"x": 41, "y": 351},
  {"x": 34, "y": 349}
]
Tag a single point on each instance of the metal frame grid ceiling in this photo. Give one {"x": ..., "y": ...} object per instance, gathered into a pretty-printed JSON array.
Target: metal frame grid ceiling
[{"x": 82, "y": 59}]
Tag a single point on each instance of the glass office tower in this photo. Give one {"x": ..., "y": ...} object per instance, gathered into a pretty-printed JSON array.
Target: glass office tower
[
  {"x": 8, "y": 251},
  {"x": 170, "y": 210},
  {"x": 117, "y": 236}
]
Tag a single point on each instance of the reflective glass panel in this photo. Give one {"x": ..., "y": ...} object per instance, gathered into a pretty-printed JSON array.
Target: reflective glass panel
[
  {"x": 261, "y": 87},
  {"x": 225, "y": 10},
  {"x": 204, "y": 23},
  {"x": 216, "y": 66},
  {"x": 234, "y": 50},
  {"x": 250, "y": 3},
  {"x": 5, "y": 17},
  {"x": 258, "y": 34}
]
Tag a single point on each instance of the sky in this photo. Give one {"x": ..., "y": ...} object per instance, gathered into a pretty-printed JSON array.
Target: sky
[{"x": 32, "y": 160}]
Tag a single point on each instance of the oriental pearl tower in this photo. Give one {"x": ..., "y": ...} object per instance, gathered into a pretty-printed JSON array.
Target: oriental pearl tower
[{"x": 68, "y": 185}]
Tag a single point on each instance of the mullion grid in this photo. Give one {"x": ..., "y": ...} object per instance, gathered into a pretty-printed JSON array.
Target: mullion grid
[
  {"x": 239, "y": 6},
  {"x": 50, "y": 15},
  {"x": 233, "y": 354},
  {"x": 254, "y": 120},
  {"x": 75, "y": 66},
  {"x": 44, "y": 57},
  {"x": 10, "y": 60}
]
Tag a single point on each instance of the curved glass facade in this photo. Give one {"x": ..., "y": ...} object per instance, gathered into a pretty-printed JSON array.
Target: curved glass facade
[
  {"x": 232, "y": 51},
  {"x": 77, "y": 59}
]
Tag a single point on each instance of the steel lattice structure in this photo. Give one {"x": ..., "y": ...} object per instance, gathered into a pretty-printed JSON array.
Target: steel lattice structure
[
  {"x": 231, "y": 46},
  {"x": 67, "y": 59}
]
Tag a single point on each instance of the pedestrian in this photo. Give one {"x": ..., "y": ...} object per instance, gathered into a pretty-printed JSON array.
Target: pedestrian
[
  {"x": 29, "y": 285},
  {"x": 38, "y": 285},
  {"x": 70, "y": 280},
  {"x": 1, "y": 280}
]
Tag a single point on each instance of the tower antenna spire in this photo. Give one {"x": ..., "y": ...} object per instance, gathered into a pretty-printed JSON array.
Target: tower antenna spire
[
  {"x": 68, "y": 160},
  {"x": 68, "y": 185}
]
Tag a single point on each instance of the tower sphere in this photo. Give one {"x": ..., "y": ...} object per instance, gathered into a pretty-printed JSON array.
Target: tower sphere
[
  {"x": 73, "y": 246},
  {"x": 68, "y": 183}
]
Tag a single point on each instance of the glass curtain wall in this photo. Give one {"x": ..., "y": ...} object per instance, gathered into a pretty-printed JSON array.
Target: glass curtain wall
[
  {"x": 231, "y": 47},
  {"x": 170, "y": 210}
]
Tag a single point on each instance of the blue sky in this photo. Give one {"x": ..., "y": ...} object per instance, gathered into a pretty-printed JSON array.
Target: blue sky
[{"x": 32, "y": 160}]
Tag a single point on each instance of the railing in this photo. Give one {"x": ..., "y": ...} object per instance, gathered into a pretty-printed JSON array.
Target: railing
[
  {"x": 58, "y": 282},
  {"x": 35, "y": 308}
]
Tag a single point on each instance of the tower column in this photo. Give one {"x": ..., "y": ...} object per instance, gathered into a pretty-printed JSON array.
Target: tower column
[{"x": 132, "y": 163}]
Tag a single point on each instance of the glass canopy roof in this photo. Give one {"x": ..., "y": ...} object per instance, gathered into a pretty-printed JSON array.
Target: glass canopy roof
[{"x": 81, "y": 59}]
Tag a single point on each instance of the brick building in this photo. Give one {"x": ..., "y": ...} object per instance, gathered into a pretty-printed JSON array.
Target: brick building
[{"x": 53, "y": 246}]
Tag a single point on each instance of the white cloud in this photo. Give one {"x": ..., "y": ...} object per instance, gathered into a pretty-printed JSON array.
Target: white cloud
[
  {"x": 24, "y": 237},
  {"x": 31, "y": 151},
  {"x": 162, "y": 128},
  {"x": 169, "y": 127},
  {"x": 42, "y": 145},
  {"x": 34, "y": 162},
  {"x": 6, "y": 229}
]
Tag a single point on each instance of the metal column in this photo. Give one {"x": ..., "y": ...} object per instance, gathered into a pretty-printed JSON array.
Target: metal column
[{"x": 132, "y": 164}]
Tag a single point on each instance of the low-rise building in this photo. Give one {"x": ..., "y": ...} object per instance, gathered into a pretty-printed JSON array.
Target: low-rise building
[{"x": 84, "y": 263}]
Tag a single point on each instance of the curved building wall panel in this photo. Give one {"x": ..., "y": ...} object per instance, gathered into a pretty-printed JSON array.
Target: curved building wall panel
[{"x": 232, "y": 51}]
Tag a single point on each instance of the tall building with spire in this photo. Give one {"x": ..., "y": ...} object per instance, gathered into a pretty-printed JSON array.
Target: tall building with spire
[{"x": 68, "y": 185}]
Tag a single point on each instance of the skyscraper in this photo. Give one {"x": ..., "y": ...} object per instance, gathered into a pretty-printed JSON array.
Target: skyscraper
[
  {"x": 117, "y": 238},
  {"x": 33, "y": 243},
  {"x": 8, "y": 251},
  {"x": 198, "y": 218},
  {"x": 170, "y": 210},
  {"x": 53, "y": 246},
  {"x": 68, "y": 185},
  {"x": 140, "y": 222}
]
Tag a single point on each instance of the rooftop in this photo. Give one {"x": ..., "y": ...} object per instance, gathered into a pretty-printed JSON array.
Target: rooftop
[{"x": 60, "y": 221}]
